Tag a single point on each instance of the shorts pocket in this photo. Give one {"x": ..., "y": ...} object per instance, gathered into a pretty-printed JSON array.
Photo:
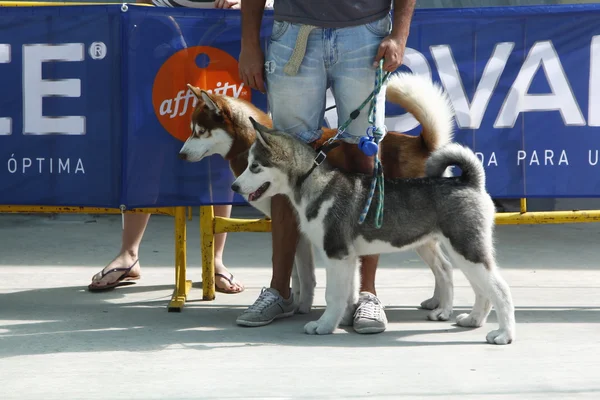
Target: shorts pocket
[
  {"x": 279, "y": 28},
  {"x": 381, "y": 27}
]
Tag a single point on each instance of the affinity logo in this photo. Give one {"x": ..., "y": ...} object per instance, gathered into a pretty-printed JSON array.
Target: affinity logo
[{"x": 206, "y": 67}]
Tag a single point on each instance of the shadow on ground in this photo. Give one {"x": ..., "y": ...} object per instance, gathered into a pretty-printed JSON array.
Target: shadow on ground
[{"x": 70, "y": 319}]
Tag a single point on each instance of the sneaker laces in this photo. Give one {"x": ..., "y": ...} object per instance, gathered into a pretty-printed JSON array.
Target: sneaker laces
[
  {"x": 369, "y": 308},
  {"x": 265, "y": 299}
]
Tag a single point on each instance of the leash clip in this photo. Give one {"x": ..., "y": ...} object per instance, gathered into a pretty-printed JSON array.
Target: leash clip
[
  {"x": 321, "y": 156},
  {"x": 323, "y": 150}
]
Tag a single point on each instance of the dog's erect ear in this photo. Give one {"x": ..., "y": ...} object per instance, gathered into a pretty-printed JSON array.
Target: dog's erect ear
[
  {"x": 260, "y": 132},
  {"x": 204, "y": 96},
  {"x": 257, "y": 126},
  {"x": 195, "y": 90},
  {"x": 212, "y": 106}
]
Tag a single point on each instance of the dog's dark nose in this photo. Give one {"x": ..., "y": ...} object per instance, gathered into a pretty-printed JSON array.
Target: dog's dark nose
[
  {"x": 182, "y": 156},
  {"x": 235, "y": 187}
]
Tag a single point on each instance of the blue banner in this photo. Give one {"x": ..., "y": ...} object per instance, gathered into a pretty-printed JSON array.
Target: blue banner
[
  {"x": 95, "y": 106},
  {"x": 60, "y": 106},
  {"x": 525, "y": 96}
]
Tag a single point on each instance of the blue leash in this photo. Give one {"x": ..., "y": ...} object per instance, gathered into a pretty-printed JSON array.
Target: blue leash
[{"x": 368, "y": 144}]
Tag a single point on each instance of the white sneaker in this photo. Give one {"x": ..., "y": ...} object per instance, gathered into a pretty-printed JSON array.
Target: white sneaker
[{"x": 369, "y": 316}]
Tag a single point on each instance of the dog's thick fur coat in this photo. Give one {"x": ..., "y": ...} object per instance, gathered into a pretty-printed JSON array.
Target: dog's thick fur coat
[
  {"x": 456, "y": 211},
  {"x": 220, "y": 125}
]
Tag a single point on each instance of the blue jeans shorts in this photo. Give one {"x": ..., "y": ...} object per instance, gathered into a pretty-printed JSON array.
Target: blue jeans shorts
[{"x": 340, "y": 59}]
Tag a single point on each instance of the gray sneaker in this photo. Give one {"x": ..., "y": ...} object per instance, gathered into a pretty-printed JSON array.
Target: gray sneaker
[
  {"x": 369, "y": 316},
  {"x": 268, "y": 307}
]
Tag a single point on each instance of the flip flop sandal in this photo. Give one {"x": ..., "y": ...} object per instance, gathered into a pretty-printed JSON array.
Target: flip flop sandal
[
  {"x": 124, "y": 277},
  {"x": 230, "y": 280}
]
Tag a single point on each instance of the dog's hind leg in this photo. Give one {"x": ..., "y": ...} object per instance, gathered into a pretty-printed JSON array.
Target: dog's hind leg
[
  {"x": 443, "y": 294},
  {"x": 501, "y": 298},
  {"x": 341, "y": 282},
  {"x": 480, "y": 311},
  {"x": 304, "y": 269},
  {"x": 489, "y": 287}
]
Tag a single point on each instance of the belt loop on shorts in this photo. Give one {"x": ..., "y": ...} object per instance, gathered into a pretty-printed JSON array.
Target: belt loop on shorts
[{"x": 293, "y": 64}]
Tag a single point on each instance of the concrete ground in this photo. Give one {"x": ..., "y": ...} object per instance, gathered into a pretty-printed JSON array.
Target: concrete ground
[{"x": 58, "y": 341}]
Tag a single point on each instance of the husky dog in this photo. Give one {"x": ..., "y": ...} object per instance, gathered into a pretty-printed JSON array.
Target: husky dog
[
  {"x": 457, "y": 211},
  {"x": 220, "y": 126}
]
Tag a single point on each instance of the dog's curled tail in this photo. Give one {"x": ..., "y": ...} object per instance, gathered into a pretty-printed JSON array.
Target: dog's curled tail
[
  {"x": 455, "y": 154},
  {"x": 427, "y": 102}
]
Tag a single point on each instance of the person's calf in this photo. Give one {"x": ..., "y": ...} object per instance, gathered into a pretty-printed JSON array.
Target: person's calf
[
  {"x": 368, "y": 270},
  {"x": 284, "y": 232}
]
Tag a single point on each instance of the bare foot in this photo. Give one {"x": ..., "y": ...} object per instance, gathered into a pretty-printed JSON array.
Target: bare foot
[
  {"x": 223, "y": 284},
  {"x": 123, "y": 260}
]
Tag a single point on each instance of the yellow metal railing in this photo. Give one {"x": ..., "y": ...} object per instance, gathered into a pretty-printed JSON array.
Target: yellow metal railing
[{"x": 524, "y": 217}]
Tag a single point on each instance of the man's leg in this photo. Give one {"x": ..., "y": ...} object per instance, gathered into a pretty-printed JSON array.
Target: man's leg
[
  {"x": 284, "y": 237},
  {"x": 353, "y": 80},
  {"x": 368, "y": 270},
  {"x": 297, "y": 106}
]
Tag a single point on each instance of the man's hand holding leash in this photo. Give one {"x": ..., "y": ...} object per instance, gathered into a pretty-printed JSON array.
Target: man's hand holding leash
[{"x": 392, "y": 47}]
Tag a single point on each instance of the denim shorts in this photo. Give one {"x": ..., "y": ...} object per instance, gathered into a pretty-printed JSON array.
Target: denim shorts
[{"x": 337, "y": 58}]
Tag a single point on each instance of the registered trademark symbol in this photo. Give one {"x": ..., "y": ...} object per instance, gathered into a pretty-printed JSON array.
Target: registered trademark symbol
[
  {"x": 244, "y": 93},
  {"x": 97, "y": 50}
]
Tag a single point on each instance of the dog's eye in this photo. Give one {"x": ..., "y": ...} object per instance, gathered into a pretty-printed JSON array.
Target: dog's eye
[
  {"x": 254, "y": 167},
  {"x": 198, "y": 131}
]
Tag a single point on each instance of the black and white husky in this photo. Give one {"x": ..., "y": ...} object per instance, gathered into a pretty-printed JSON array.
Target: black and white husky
[{"x": 456, "y": 210}]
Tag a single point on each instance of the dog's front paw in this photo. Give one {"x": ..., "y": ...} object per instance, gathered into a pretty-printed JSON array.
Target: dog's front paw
[
  {"x": 318, "y": 328},
  {"x": 500, "y": 336},
  {"x": 430, "y": 304},
  {"x": 468, "y": 321},
  {"x": 311, "y": 327},
  {"x": 440, "y": 314}
]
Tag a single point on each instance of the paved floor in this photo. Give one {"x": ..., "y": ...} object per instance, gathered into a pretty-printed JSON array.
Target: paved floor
[{"x": 58, "y": 341}]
